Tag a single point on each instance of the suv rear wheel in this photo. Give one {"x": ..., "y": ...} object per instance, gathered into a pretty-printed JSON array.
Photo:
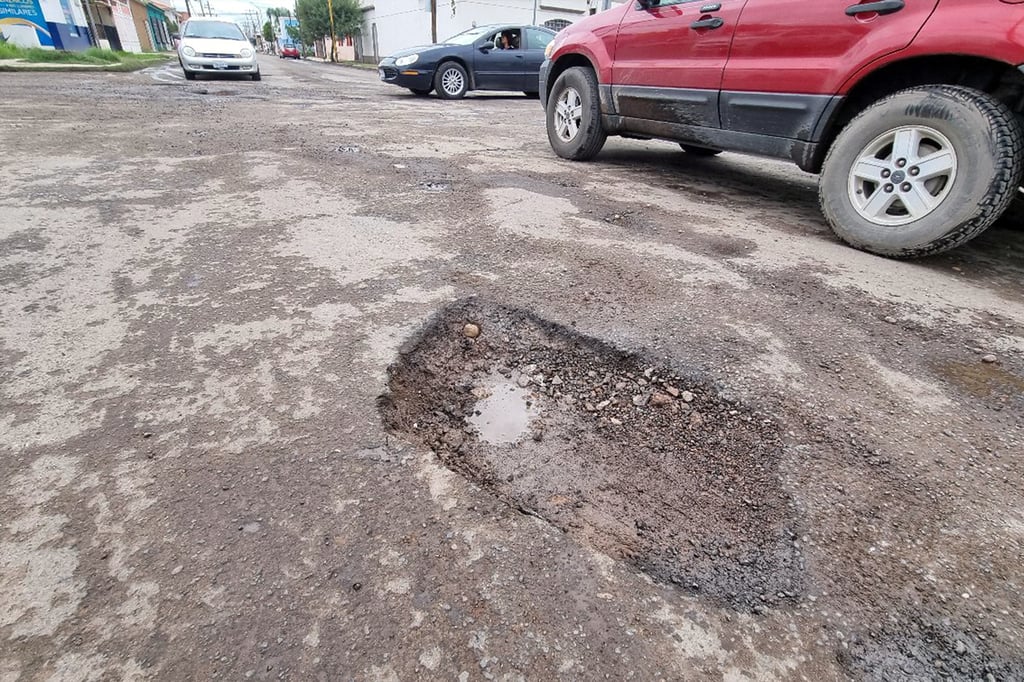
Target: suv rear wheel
[
  {"x": 922, "y": 171},
  {"x": 574, "y": 115}
]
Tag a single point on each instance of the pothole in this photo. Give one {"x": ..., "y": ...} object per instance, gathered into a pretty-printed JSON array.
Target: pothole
[
  {"x": 223, "y": 92},
  {"x": 435, "y": 187},
  {"x": 648, "y": 465},
  {"x": 349, "y": 149}
]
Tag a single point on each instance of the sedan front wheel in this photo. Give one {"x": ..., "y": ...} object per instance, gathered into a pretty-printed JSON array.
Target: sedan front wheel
[{"x": 451, "y": 81}]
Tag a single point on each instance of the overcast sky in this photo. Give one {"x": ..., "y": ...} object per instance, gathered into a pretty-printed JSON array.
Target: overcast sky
[{"x": 235, "y": 9}]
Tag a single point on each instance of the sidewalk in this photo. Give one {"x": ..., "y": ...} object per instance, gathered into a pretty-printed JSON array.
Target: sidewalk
[
  {"x": 23, "y": 65},
  {"x": 350, "y": 64}
]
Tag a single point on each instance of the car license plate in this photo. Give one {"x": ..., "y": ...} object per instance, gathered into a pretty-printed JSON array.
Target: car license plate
[{"x": 220, "y": 65}]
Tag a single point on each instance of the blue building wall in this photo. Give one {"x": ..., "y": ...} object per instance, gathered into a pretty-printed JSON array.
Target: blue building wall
[
  {"x": 63, "y": 38},
  {"x": 22, "y": 20}
]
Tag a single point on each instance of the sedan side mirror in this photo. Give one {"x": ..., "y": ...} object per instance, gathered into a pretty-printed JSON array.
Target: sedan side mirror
[{"x": 486, "y": 47}]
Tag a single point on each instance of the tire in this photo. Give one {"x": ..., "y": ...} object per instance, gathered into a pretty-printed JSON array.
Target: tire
[
  {"x": 451, "y": 81},
  {"x": 976, "y": 151},
  {"x": 694, "y": 150},
  {"x": 189, "y": 75},
  {"x": 421, "y": 92},
  {"x": 257, "y": 76},
  {"x": 574, "y": 115}
]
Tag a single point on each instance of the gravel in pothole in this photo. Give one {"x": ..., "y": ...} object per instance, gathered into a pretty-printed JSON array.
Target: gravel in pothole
[{"x": 642, "y": 462}]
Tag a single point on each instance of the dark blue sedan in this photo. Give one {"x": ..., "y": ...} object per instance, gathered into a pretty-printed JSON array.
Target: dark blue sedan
[{"x": 497, "y": 57}]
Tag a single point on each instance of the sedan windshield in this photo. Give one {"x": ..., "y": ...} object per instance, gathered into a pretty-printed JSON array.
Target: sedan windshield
[
  {"x": 466, "y": 37},
  {"x": 213, "y": 29}
]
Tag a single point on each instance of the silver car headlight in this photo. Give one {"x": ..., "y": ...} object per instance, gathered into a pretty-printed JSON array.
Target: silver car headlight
[
  {"x": 246, "y": 52},
  {"x": 407, "y": 60},
  {"x": 189, "y": 52}
]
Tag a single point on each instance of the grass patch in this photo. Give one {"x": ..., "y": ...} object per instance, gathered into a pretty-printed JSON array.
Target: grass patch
[
  {"x": 94, "y": 56},
  {"x": 360, "y": 65}
]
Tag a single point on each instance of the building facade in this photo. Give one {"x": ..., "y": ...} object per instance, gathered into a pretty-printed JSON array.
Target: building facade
[
  {"x": 55, "y": 24},
  {"x": 390, "y": 25},
  {"x": 156, "y": 20},
  {"x": 140, "y": 17}
]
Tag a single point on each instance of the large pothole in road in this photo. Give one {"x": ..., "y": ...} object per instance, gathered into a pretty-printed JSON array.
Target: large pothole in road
[{"x": 641, "y": 462}]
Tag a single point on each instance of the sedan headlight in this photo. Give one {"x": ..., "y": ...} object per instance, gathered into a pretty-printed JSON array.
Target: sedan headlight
[
  {"x": 407, "y": 60},
  {"x": 549, "y": 49},
  {"x": 246, "y": 52},
  {"x": 189, "y": 52}
]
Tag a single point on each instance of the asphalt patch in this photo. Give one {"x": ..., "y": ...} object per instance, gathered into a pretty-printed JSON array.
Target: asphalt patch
[
  {"x": 919, "y": 650},
  {"x": 646, "y": 463}
]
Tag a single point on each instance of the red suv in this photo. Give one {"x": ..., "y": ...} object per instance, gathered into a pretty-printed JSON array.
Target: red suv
[{"x": 912, "y": 111}]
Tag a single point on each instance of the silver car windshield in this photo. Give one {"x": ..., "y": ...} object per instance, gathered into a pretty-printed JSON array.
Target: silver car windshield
[{"x": 213, "y": 29}]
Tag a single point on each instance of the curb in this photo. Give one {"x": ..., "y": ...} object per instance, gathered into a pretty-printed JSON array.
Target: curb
[
  {"x": 362, "y": 66},
  {"x": 11, "y": 66}
]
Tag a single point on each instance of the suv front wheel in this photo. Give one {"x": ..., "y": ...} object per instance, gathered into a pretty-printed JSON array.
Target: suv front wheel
[
  {"x": 922, "y": 171},
  {"x": 574, "y": 115}
]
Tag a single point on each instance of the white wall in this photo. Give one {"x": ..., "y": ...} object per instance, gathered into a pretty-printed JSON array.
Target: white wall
[
  {"x": 125, "y": 26},
  {"x": 406, "y": 23},
  {"x": 21, "y": 35},
  {"x": 54, "y": 11}
]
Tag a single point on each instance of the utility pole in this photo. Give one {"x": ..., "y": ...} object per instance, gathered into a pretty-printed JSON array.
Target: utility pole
[
  {"x": 188, "y": 7},
  {"x": 334, "y": 40},
  {"x": 433, "y": 21}
]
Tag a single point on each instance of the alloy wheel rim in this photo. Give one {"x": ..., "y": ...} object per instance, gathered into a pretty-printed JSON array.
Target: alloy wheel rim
[
  {"x": 903, "y": 175},
  {"x": 568, "y": 114},
  {"x": 452, "y": 81}
]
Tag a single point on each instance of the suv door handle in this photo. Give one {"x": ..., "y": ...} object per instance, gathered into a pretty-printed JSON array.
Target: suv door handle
[
  {"x": 708, "y": 9},
  {"x": 713, "y": 22},
  {"x": 880, "y": 7}
]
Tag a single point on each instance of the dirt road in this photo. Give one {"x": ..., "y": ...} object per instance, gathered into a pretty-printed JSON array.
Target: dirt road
[{"x": 705, "y": 440}]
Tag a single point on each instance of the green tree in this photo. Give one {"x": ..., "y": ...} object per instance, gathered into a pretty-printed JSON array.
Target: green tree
[
  {"x": 315, "y": 20},
  {"x": 268, "y": 32}
]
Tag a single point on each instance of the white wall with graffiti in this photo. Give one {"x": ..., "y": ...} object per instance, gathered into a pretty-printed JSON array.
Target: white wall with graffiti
[{"x": 44, "y": 23}]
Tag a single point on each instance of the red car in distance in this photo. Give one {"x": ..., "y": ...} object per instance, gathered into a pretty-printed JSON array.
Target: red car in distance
[{"x": 290, "y": 51}]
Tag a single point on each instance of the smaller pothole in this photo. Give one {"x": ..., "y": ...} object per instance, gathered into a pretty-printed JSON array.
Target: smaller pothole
[{"x": 435, "y": 187}]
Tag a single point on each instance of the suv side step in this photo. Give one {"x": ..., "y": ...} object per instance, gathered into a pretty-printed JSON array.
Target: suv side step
[{"x": 800, "y": 152}]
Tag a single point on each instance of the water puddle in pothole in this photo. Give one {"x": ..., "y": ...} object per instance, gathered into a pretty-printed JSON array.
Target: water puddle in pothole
[
  {"x": 503, "y": 413},
  {"x": 980, "y": 379}
]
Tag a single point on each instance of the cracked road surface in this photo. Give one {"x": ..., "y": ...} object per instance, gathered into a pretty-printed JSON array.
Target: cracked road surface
[{"x": 203, "y": 287}]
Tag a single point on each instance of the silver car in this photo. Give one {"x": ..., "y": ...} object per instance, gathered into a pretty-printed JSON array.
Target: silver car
[{"x": 210, "y": 45}]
